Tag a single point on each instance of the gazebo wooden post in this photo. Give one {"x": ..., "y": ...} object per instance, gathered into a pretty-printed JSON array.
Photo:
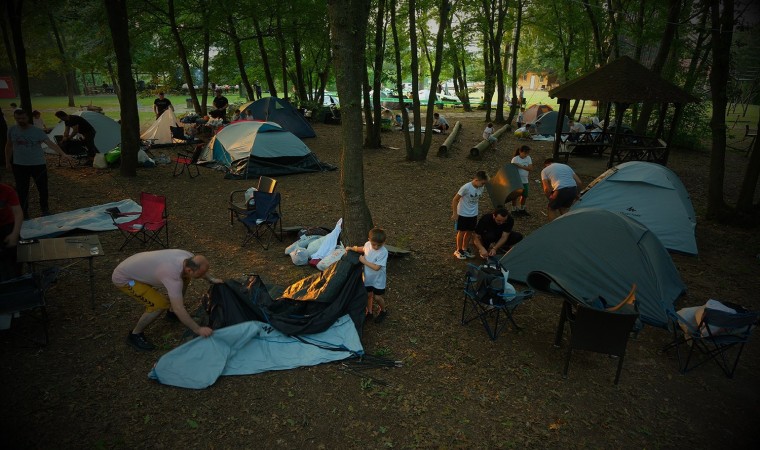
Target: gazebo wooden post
[
  {"x": 564, "y": 105},
  {"x": 677, "y": 113},
  {"x": 619, "y": 110}
]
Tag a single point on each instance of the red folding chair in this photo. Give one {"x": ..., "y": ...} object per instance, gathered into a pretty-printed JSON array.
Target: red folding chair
[{"x": 149, "y": 226}]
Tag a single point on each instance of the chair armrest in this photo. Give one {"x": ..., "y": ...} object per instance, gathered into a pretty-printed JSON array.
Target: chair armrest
[{"x": 233, "y": 194}]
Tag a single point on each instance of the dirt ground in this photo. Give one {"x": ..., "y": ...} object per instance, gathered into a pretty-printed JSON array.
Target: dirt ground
[{"x": 88, "y": 389}]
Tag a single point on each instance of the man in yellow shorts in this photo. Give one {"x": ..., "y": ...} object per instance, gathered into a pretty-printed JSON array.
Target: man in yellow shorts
[{"x": 139, "y": 275}]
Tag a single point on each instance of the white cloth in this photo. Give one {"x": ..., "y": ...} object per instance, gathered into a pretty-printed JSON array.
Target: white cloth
[
  {"x": 330, "y": 241},
  {"x": 522, "y": 162},
  {"x": 487, "y": 133},
  {"x": 578, "y": 128},
  {"x": 559, "y": 175},
  {"x": 375, "y": 278},
  {"x": 468, "y": 204}
]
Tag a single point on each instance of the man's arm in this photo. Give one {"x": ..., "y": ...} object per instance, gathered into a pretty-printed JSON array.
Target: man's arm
[
  {"x": 478, "y": 241},
  {"x": 178, "y": 306},
  {"x": 155, "y": 108},
  {"x": 499, "y": 244},
  {"x": 68, "y": 132},
  {"x": 547, "y": 188},
  {"x": 18, "y": 218}
]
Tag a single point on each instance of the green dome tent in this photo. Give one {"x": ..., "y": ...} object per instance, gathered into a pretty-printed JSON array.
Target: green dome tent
[
  {"x": 273, "y": 109},
  {"x": 593, "y": 252},
  {"x": 251, "y": 149}
]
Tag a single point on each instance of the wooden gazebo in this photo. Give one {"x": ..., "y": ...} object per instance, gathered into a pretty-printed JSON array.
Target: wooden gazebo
[{"x": 622, "y": 82}]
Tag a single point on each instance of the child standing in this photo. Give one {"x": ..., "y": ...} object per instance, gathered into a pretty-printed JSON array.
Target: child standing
[
  {"x": 375, "y": 258},
  {"x": 464, "y": 207},
  {"x": 521, "y": 118},
  {"x": 488, "y": 136},
  {"x": 524, "y": 166}
]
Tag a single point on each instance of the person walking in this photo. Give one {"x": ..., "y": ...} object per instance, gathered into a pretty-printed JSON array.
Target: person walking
[{"x": 25, "y": 157}]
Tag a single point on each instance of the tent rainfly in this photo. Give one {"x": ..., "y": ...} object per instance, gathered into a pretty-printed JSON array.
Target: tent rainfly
[
  {"x": 593, "y": 252},
  {"x": 273, "y": 109},
  {"x": 650, "y": 194},
  {"x": 160, "y": 131}
]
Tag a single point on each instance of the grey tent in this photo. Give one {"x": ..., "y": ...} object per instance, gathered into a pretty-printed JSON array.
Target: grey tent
[
  {"x": 593, "y": 252},
  {"x": 653, "y": 195},
  {"x": 251, "y": 149},
  {"x": 546, "y": 123},
  {"x": 273, "y": 109},
  {"x": 502, "y": 187}
]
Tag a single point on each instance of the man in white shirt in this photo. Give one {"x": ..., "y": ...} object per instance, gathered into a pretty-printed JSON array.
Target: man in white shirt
[{"x": 561, "y": 186}]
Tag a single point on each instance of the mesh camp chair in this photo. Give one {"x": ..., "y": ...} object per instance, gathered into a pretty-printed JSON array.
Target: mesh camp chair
[
  {"x": 179, "y": 137},
  {"x": 26, "y": 295},
  {"x": 484, "y": 300},
  {"x": 597, "y": 330},
  {"x": 264, "y": 221},
  {"x": 150, "y": 224},
  {"x": 188, "y": 161},
  {"x": 719, "y": 335},
  {"x": 238, "y": 205}
]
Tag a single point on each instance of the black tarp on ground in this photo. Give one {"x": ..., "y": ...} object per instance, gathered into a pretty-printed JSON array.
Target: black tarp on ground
[{"x": 308, "y": 306}]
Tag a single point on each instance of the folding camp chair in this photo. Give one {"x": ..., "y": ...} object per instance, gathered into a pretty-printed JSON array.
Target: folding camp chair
[
  {"x": 150, "y": 223},
  {"x": 265, "y": 220},
  {"x": 719, "y": 335},
  {"x": 179, "y": 137},
  {"x": 238, "y": 205},
  {"x": 597, "y": 330},
  {"x": 189, "y": 161},
  {"x": 26, "y": 295},
  {"x": 484, "y": 299}
]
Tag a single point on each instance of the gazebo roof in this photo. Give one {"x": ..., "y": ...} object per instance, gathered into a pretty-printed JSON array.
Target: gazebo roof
[{"x": 622, "y": 81}]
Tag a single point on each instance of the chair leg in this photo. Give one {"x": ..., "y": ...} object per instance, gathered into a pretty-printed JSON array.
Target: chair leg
[
  {"x": 619, "y": 368},
  {"x": 560, "y": 326},
  {"x": 567, "y": 361}
]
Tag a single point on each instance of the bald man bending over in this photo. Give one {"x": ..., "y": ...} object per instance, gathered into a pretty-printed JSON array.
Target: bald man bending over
[{"x": 139, "y": 275}]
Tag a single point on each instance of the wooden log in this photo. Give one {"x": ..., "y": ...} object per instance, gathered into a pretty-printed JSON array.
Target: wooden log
[
  {"x": 443, "y": 150},
  {"x": 477, "y": 150}
]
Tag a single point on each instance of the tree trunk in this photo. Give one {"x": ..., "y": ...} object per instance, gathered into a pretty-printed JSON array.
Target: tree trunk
[
  {"x": 114, "y": 79},
  {"x": 239, "y": 56},
  {"x": 671, "y": 26},
  {"x": 14, "y": 17},
  {"x": 722, "y": 36},
  {"x": 297, "y": 57},
  {"x": 373, "y": 139},
  {"x": 399, "y": 85},
  {"x": 414, "y": 153},
  {"x": 206, "y": 51},
  {"x": 67, "y": 74},
  {"x": 513, "y": 57},
  {"x": 9, "y": 47},
  {"x": 283, "y": 59},
  {"x": 348, "y": 24},
  {"x": 182, "y": 54},
  {"x": 264, "y": 57},
  {"x": 745, "y": 202},
  {"x": 130, "y": 122},
  {"x": 443, "y": 23}
]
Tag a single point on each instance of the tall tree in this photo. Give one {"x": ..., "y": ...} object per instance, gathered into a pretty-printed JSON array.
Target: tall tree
[
  {"x": 722, "y": 25},
  {"x": 118, "y": 21},
  {"x": 348, "y": 26},
  {"x": 15, "y": 18}
]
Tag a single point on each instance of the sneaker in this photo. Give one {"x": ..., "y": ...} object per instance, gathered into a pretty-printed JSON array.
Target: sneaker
[
  {"x": 380, "y": 317},
  {"x": 468, "y": 254},
  {"x": 460, "y": 255},
  {"x": 139, "y": 342}
]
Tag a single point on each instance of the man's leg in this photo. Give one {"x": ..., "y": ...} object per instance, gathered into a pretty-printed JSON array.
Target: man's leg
[
  {"x": 40, "y": 175},
  {"x": 146, "y": 319},
  {"x": 89, "y": 141},
  {"x": 21, "y": 175}
]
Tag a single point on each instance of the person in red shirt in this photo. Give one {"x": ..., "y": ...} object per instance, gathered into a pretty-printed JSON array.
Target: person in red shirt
[{"x": 11, "y": 217}]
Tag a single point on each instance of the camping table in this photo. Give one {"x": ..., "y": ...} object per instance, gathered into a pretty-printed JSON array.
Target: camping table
[{"x": 44, "y": 252}]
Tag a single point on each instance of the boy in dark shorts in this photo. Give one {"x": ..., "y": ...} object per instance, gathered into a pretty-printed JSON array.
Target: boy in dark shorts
[
  {"x": 464, "y": 209},
  {"x": 375, "y": 258}
]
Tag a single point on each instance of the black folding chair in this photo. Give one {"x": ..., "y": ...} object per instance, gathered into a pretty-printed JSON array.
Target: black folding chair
[
  {"x": 26, "y": 295},
  {"x": 484, "y": 300},
  {"x": 188, "y": 161},
  {"x": 719, "y": 336},
  {"x": 264, "y": 221},
  {"x": 597, "y": 330}
]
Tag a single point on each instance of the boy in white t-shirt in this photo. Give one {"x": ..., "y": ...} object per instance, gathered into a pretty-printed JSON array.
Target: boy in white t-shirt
[
  {"x": 524, "y": 165},
  {"x": 375, "y": 258},
  {"x": 464, "y": 209},
  {"x": 488, "y": 136}
]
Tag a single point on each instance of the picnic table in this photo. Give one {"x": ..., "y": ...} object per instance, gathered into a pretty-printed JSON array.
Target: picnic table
[{"x": 588, "y": 143}]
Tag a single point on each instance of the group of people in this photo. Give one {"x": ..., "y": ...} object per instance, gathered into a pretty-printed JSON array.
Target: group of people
[{"x": 493, "y": 232}]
